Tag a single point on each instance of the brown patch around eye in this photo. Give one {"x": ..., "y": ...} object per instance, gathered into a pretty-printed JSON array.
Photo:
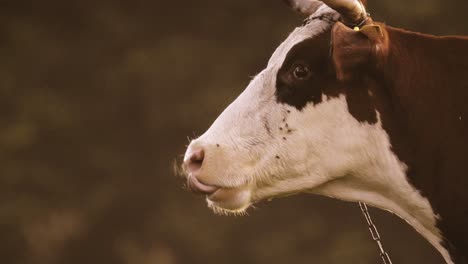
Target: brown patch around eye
[
  {"x": 312, "y": 57},
  {"x": 304, "y": 75}
]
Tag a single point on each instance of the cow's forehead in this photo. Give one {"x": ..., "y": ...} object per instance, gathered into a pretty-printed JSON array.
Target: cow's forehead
[{"x": 311, "y": 29}]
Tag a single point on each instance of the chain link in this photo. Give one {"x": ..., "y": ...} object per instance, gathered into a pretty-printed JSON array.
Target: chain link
[{"x": 375, "y": 234}]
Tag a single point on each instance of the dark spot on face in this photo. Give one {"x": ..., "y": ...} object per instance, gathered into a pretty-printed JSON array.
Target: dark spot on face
[
  {"x": 286, "y": 125},
  {"x": 217, "y": 145},
  {"x": 296, "y": 88},
  {"x": 280, "y": 128},
  {"x": 284, "y": 119},
  {"x": 306, "y": 73},
  {"x": 289, "y": 111},
  {"x": 284, "y": 138},
  {"x": 277, "y": 157},
  {"x": 360, "y": 104},
  {"x": 289, "y": 130},
  {"x": 266, "y": 125}
]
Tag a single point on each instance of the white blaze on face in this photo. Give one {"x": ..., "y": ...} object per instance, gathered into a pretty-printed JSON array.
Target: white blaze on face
[
  {"x": 245, "y": 148},
  {"x": 259, "y": 148}
]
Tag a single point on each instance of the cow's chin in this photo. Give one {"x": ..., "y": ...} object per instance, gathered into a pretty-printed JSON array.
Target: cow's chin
[{"x": 228, "y": 201}]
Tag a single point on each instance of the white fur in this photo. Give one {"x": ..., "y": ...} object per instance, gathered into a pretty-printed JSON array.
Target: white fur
[{"x": 328, "y": 151}]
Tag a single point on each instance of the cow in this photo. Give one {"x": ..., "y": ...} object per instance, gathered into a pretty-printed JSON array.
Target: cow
[{"x": 352, "y": 109}]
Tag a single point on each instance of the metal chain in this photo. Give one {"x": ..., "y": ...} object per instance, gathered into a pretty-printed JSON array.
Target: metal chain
[{"x": 374, "y": 233}]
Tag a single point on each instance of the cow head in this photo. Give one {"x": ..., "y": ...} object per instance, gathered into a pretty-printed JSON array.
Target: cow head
[{"x": 304, "y": 124}]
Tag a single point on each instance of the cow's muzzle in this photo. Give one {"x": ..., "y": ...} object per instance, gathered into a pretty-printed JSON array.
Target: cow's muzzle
[{"x": 193, "y": 164}]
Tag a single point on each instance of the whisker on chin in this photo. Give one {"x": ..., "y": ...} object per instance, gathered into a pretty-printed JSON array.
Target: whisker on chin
[{"x": 225, "y": 212}]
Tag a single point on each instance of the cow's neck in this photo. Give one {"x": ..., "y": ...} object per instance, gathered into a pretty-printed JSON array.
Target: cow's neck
[
  {"x": 382, "y": 181},
  {"x": 423, "y": 106},
  {"x": 414, "y": 97}
]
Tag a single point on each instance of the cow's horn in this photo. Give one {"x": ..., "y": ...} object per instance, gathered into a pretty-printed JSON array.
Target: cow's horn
[
  {"x": 352, "y": 12},
  {"x": 306, "y": 7}
]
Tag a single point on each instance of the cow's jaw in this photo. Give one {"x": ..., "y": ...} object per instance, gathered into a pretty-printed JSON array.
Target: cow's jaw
[{"x": 361, "y": 166}]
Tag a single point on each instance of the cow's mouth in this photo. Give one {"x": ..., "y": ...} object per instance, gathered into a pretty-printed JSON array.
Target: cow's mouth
[
  {"x": 230, "y": 200},
  {"x": 224, "y": 200},
  {"x": 199, "y": 187}
]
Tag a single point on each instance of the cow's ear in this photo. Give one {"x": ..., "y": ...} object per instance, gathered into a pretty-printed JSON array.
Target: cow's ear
[{"x": 354, "y": 50}]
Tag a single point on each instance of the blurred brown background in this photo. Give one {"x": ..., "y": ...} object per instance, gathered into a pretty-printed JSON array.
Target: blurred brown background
[{"x": 97, "y": 99}]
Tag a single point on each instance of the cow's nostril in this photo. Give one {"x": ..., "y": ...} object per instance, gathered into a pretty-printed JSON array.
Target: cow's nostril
[{"x": 195, "y": 161}]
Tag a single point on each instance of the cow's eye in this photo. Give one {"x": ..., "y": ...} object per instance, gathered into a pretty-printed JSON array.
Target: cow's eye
[{"x": 301, "y": 72}]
